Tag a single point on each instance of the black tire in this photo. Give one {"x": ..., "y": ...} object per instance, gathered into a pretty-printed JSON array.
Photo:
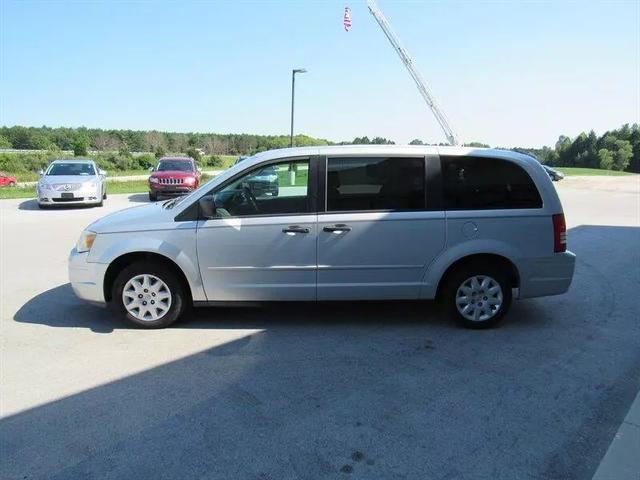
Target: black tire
[
  {"x": 162, "y": 272},
  {"x": 104, "y": 195},
  {"x": 456, "y": 279},
  {"x": 153, "y": 197},
  {"x": 12, "y": 184}
]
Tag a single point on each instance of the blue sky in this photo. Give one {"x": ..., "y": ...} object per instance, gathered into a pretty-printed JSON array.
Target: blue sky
[{"x": 506, "y": 73}]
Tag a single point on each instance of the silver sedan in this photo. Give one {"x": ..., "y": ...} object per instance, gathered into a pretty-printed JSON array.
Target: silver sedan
[{"x": 72, "y": 182}]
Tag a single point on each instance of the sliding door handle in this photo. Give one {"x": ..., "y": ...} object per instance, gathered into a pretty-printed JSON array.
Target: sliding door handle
[
  {"x": 337, "y": 228},
  {"x": 295, "y": 229}
]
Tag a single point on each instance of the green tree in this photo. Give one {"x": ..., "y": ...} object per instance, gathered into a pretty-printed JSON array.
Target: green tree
[
  {"x": 193, "y": 153},
  {"x": 382, "y": 141},
  {"x": 160, "y": 152},
  {"x": 124, "y": 151},
  {"x": 81, "y": 146},
  {"x": 4, "y": 142},
  {"x": 605, "y": 158},
  {"x": 20, "y": 137},
  {"x": 416, "y": 141},
  {"x": 622, "y": 155}
]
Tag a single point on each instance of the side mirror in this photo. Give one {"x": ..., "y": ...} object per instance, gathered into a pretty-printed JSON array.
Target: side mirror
[
  {"x": 41, "y": 172},
  {"x": 207, "y": 207},
  {"x": 102, "y": 172}
]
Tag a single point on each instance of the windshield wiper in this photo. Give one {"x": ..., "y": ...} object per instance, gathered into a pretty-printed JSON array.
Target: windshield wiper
[{"x": 169, "y": 204}]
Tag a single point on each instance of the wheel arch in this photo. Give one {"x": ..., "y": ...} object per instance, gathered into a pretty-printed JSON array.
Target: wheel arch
[
  {"x": 491, "y": 258},
  {"x": 121, "y": 262}
]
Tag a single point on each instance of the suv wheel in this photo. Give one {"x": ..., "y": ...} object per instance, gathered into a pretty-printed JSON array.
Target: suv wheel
[
  {"x": 153, "y": 197},
  {"x": 149, "y": 294},
  {"x": 477, "y": 295}
]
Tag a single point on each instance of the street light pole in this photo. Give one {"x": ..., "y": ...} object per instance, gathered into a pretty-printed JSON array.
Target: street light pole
[{"x": 293, "y": 97}]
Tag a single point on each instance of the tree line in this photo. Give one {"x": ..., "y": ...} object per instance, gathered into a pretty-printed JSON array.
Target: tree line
[
  {"x": 159, "y": 143},
  {"x": 614, "y": 150}
]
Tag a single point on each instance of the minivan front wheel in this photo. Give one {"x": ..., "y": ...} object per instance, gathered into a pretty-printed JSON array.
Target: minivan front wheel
[
  {"x": 477, "y": 296},
  {"x": 149, "y": 294}
]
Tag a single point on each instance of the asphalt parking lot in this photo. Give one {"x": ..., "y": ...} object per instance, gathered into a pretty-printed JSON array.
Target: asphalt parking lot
[{"x": 372, "y": 391}]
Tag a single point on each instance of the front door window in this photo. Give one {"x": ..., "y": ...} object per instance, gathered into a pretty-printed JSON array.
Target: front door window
[{"x": 275, "y": 189}]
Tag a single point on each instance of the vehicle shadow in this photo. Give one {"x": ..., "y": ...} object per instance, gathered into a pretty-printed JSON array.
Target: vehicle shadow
[
  {"x": 32, "y": 204},
  {"x": 59, "y": 307},
  {"x": 139, "y": 198}
]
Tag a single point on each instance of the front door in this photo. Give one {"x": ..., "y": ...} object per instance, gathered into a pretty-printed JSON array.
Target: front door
[
  {"x": 262, "y": 244},
  {"x": 377, "y": 236}
]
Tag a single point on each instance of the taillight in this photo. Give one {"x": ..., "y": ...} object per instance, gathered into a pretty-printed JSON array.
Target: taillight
[{"x": 559, "y": 233}]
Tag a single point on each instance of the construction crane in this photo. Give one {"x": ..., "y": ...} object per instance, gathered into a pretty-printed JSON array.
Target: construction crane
[{"x": 413, "y": 71}]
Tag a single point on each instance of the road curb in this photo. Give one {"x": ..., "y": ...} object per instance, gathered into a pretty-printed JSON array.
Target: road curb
[{"x": 622, "y": 460}]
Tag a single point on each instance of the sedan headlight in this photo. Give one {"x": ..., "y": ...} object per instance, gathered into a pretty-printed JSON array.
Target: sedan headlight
[{"x": 85, "y": 242}]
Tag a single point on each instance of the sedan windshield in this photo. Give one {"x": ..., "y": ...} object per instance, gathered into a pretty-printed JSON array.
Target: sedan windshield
[
  {"x": 174, "y": 165},
  {"x": 71, "y": 169}
]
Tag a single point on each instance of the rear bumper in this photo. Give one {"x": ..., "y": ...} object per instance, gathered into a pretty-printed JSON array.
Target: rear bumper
[
  {"x": 540, "y": 277},
  {"x": 87, "y": 279}
]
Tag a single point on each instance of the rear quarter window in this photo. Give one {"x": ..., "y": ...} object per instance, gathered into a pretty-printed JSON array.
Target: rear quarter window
[{"x": 479, "y": 183}]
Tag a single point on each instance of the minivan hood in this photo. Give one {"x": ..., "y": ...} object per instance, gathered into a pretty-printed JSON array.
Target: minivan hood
[{"x": 142, "y": 218}]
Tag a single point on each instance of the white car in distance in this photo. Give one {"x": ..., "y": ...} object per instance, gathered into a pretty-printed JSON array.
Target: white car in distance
[{"x": 72, "y": 182}]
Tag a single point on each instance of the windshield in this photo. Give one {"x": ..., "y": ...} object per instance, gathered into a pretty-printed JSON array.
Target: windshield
[
  {"x": 70, "y": 168},
  {"x": 178, "y": 165},
  {"x": 204, "y": 188}
]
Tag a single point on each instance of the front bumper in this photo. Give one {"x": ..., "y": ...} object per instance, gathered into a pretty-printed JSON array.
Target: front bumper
[
  {"x": 540, "y": 277},
  {"x": 87, "y": 278},
  {"x": 170, "y": 190},
  {"x": 86, "y": 196}
]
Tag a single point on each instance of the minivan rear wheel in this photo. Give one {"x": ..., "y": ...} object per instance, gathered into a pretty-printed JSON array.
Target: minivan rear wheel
[
  {"x": 149, "y": 294},
  {"x": 477, "y": 295}
]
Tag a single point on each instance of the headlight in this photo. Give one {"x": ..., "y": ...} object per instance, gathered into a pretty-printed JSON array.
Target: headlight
[
  {"x": 85, "y": 242},
  {"x": 189, "y": 180},
  {"x": 153, "y": 180},
  {"x": 43, "y": 185}
]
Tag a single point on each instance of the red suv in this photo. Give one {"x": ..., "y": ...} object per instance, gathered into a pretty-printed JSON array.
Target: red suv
[{"x": 173, "y": 176}]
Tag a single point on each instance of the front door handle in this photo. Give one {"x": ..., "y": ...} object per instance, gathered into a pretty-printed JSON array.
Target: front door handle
[
  {"x": 295, "y": 229},
  {"x": 337, "y": 228}
]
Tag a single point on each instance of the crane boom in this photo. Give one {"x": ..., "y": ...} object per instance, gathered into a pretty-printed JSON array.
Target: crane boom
[{"x": 415, "y": 74}]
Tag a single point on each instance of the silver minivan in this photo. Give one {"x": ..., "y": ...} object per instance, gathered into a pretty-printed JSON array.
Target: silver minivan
[{"x": 469, "y": 227}]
